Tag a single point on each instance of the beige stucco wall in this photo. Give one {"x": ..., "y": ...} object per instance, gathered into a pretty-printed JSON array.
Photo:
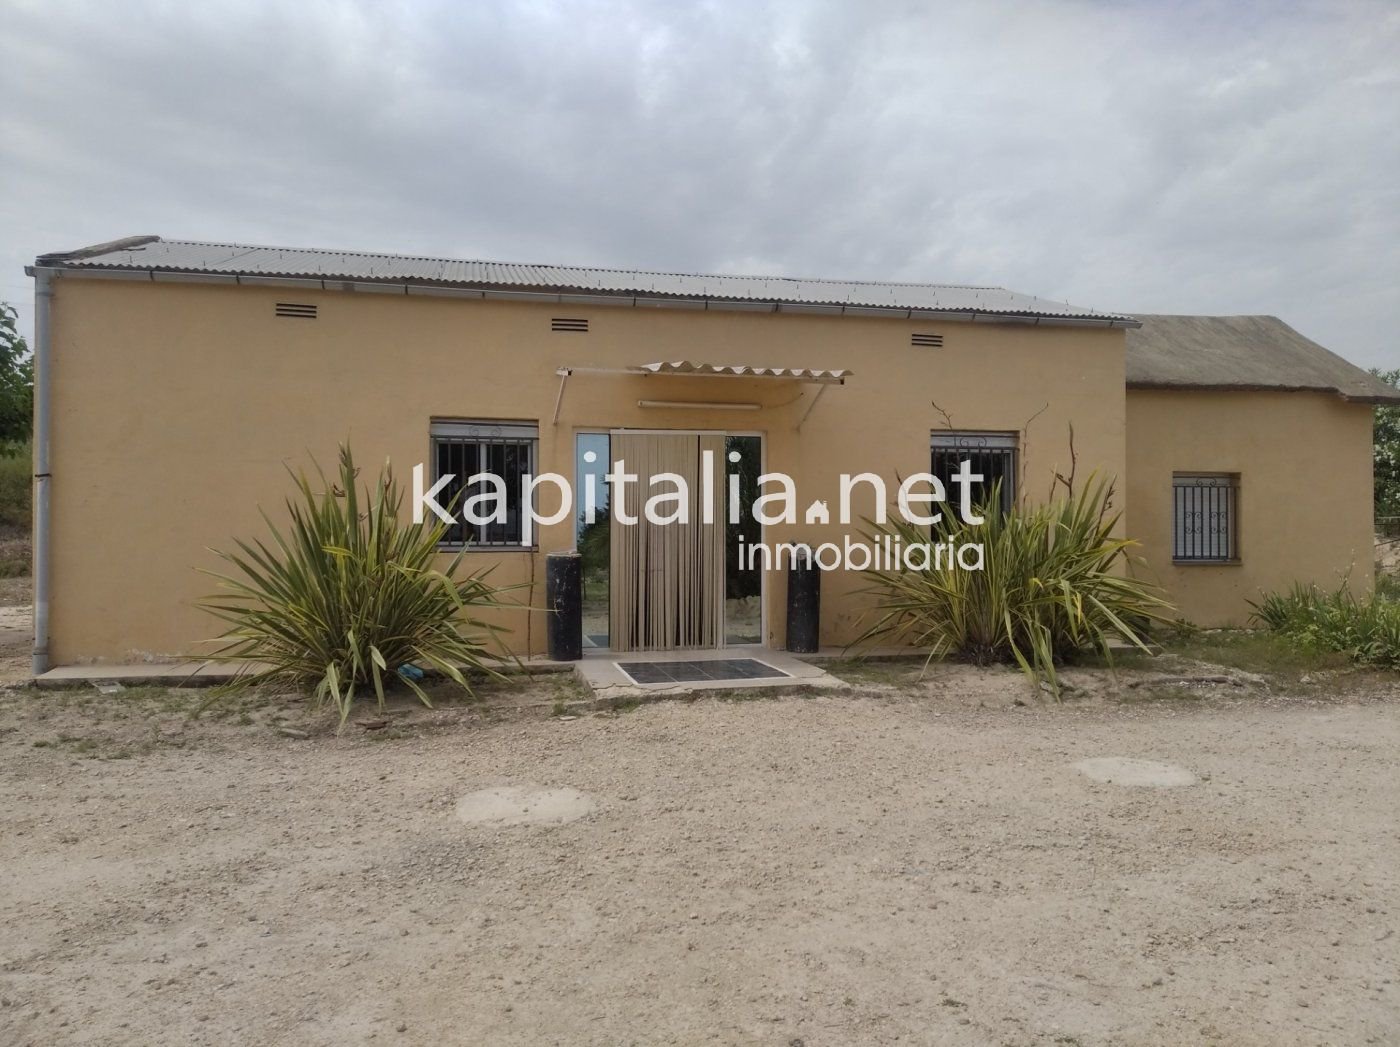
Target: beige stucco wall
[
  {"x": 1304, "y": 461},
  {"x": 176, "y": 406}
]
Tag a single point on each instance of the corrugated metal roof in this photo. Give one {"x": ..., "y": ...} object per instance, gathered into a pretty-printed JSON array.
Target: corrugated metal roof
[
  {"x": 156, "y": 255},
  {"x": 1242, "y": 352}
]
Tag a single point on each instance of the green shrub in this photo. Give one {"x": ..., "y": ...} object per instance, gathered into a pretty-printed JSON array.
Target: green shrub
[
  {"x": 16, "y": 384},
  {"x": 16, "y": 487},
  {"x": 348, "y": 595},
  {"x": 1053, "y": 583},
  {"x": 1365, "y": 630},
  {"x": 1387, "y": 585}
]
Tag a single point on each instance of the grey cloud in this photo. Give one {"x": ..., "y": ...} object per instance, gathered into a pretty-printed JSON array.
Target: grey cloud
[{"x": 1189, "y": 157}]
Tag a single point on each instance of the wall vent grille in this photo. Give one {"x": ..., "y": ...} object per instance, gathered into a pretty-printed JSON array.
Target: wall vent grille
[
  {"x": 296, "y": 310},
  {"x": 926, "y": 341},
  {"x": 565, "y": 323}
]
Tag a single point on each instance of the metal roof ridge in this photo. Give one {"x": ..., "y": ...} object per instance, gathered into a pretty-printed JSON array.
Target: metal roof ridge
[
  {"x": 569, "y": 265},
  {"x": 260, "y": 262},
  {"x": 125, "y": 243}
]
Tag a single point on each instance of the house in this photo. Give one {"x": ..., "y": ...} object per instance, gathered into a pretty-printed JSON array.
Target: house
[{"x": 178, "y": 378}]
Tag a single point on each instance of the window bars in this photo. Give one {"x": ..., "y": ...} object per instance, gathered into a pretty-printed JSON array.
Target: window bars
[
  {"x": 1205, "y": 517},
  {"x": 993, "y": 457},
  {"x": 508, "y": 450}
]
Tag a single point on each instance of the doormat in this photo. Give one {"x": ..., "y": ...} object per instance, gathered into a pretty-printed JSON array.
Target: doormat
[{"x": 715, "y": 670}]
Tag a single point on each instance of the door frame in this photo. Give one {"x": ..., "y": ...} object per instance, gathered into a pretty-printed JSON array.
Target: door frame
[{"x": 594, "y": 430}]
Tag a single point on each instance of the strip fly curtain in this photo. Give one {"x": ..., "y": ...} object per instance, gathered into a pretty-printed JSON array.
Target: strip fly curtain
[{"x": 667, "y": 579}]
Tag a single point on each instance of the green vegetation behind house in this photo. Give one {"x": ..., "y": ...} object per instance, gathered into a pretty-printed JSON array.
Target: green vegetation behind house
[
  {"x": 16, "y": 384},
  {"x": 16, "y": 494},
  {"x": 1386, "y": 441},
  {"x": 16, "y": 497}
]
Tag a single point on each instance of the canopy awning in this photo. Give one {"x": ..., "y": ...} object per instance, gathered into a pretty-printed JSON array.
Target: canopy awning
[
  {"x": 821, "y": 377},
  {"x": 799, "y": 374}
]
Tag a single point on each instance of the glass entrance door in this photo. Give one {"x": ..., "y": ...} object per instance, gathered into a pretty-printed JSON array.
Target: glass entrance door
[
  {"x": 743, "y": 589},
  {"x": 648, "y": 587},
  {"x": 593, "y": 532}
]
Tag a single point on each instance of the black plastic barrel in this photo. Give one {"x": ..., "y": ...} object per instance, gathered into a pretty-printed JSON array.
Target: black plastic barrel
[
  {"x": 804, "y": 604},
  {"x": 563, "y": 592}
]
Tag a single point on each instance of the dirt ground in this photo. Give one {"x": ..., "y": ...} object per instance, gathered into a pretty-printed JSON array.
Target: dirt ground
[
  {"x": 916, "y": 862},
  {"x": 16, "y": 630}
]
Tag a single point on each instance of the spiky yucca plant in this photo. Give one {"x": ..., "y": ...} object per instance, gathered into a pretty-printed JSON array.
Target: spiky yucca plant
[
  {"x": 1053, "y": 582},
  {"x": 347, "y": 594}
]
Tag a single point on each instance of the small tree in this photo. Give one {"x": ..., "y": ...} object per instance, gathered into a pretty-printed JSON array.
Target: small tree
[
  {"x": 1387, "y": 452},
  {"x": 16, "y": 384}
]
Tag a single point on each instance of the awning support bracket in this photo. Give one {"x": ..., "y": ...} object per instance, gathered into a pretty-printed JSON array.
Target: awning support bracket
[
  {"x": 820, "y": 389},
  {"x": 563, "y": 374}
]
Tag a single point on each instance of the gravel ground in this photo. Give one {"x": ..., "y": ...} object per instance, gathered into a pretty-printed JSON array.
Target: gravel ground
[
  {"x": 897, "y": 866},
  {"x": 16, "y": 630}
]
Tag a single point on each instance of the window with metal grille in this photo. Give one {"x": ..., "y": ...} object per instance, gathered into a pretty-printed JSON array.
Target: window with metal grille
[
  {"x": 508, "y": 450},
  {"x": 993, "y": 457},
  {"x": 1205, "y": 517}
]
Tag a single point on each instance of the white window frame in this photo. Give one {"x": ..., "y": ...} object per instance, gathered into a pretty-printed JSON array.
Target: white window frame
[{"x": 480, "y": 433}]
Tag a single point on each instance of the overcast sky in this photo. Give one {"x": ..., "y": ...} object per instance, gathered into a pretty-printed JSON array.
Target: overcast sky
[{"x": 1153, "y": 157}]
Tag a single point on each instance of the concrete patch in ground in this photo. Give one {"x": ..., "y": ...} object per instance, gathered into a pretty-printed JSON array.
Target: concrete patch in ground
[
  {"x": 523, "y": 805},
  {"x": 1124, "y": 770}
]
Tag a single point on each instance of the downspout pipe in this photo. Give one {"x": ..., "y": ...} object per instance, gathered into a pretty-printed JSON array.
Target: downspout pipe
[{"x": 43, "y": 302}]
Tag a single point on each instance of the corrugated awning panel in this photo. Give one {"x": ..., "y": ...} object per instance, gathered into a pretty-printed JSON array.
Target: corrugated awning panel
[{"x": 832, "y": 376}]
